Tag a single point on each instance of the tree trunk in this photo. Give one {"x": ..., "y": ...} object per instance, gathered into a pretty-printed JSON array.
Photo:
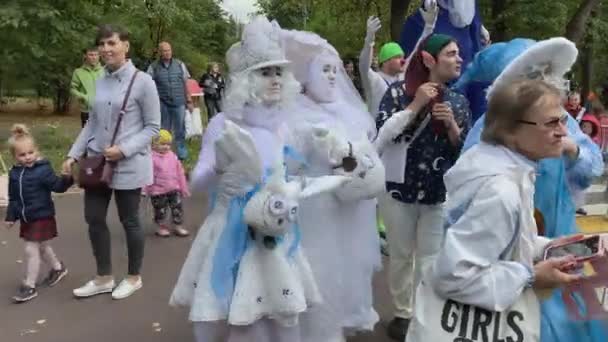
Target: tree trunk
[
  {"x": 499, "y": 32},
  {"x": 62, "y": 98},
  {"x": 575, "y": 30},
  {"x": 588, "y": 58},
  {"x": 587, "y": 69},
  {"x": 398, "y": 9},
  {"x": 1, "y": 90}
]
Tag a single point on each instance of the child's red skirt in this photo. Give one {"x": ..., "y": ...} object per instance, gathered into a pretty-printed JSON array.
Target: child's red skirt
[{"x": 39, "y": 230}]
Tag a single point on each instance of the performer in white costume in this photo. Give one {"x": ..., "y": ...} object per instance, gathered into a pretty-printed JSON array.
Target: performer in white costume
[
  {"x": 338, "y": 229},
  {"x": 246, "y": 277}
]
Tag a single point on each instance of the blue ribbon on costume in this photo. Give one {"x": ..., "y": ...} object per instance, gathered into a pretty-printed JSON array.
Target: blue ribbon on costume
[
  {"x": 235, "y": 238},
  {"x": 230, "y": 248},
  {"x": 290, "y": 153}
]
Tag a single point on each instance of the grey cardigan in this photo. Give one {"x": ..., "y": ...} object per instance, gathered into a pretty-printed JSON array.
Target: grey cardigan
[{"x": 140, "y": 124}]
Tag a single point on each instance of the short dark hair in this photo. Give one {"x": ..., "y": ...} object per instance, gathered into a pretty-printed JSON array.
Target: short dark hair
[
  {"x": 89, "y": 49},
  {"x": 108, "y": 30}
]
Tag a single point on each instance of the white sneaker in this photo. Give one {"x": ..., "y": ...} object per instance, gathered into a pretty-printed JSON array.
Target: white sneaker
[
  {"x": 125, "y": 289},
  {"x": 91, "y": 288}
]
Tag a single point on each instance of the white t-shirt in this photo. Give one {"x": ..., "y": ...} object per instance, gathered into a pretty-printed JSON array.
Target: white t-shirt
[{"x": 379, "y": 83}]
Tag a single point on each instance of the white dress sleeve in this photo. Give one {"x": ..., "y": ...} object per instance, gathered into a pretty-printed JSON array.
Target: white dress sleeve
[
  {"x": 204, "y": 176},
  {"x": 470, "y": 268}
]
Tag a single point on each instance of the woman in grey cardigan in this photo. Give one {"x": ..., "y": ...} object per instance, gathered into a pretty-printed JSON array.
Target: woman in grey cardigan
[{"x": 131, "y": 152}]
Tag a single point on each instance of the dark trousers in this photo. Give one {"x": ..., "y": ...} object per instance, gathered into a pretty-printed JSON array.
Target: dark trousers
[
  {"x": 171, "y": 200},
  {"x": 84, "y": 117},
  {"x": 95, "y": 211},
  {"x": 213, "y": 107}
]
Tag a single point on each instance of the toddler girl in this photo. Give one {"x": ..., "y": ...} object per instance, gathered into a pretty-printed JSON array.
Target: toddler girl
[
  {"x": 169, "y": 186},
  {"x": 31, "y": 182}
]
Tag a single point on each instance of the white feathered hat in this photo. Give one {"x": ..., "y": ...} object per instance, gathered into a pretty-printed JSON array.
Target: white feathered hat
[
  {"x": 302, "y": 47},
  {"x": 260, "y": 47},
  {"x": 553, "y": 57}
]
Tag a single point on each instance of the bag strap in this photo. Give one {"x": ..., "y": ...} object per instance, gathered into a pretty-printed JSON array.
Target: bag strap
[{"x": 123, "y": 107}]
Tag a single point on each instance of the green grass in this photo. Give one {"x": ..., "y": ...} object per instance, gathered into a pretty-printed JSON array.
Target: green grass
[{"x": 56, "y": 134}]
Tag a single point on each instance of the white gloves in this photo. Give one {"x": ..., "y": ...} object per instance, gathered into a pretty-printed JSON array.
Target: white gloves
[
  {"x": 392, "y": 128},
  {"x": 367, "y": 180},
  {"x": 328, "y": 146},
  {"x": 429, "y": 12},
  {"x": 357, "y": 161},
  {"x": 237, "y": 161},
  {"x": 373, "y": 26}
]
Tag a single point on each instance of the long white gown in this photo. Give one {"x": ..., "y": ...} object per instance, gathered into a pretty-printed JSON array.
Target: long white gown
[{"x": 266, "y": 278}]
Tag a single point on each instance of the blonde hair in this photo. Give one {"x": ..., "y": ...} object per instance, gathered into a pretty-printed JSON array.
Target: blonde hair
[
  {"x": 510, "y": 103},
  {"x": 19, "y": 133}
]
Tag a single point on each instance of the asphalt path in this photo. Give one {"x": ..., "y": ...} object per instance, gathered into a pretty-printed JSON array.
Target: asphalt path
[{"x": 55, "y": 316}]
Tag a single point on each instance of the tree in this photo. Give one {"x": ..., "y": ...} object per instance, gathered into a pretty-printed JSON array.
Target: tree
[
  {"x": 398, "y": 10},
  {"x": 42, "y": 40},
  {"x": 575, "y": 30}
]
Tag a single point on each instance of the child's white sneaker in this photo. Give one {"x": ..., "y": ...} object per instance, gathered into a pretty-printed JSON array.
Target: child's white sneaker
[
  {"x": 93, "y": 288},
  {"x": 126, "y": 289}
]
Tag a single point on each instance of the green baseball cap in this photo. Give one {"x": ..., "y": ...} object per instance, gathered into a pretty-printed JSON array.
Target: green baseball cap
[{"x": 388, "y": 51}]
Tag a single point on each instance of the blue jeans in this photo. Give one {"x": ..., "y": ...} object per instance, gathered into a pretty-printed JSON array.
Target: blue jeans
[{"x": 173, "y": 120}]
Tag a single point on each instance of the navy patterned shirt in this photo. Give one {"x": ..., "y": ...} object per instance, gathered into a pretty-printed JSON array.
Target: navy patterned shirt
[{"x": 431, "y": 154}]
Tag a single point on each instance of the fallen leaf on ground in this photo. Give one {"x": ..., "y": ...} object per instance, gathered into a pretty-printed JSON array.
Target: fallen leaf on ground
[{"x": 28, "y": 331}]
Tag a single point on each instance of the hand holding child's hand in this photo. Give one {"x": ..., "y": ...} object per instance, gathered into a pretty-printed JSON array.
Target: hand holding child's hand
[{"x": 8, "y": 224}]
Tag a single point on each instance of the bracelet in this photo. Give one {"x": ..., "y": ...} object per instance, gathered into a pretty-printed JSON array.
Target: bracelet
[{"x": 531, "y": 277}]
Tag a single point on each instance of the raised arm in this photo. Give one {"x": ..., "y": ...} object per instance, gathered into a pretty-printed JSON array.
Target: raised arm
[
  {"x": 588, "y": 163},
  {"x": 430, "y": 18},
  {"x": 365, "y": 58}
]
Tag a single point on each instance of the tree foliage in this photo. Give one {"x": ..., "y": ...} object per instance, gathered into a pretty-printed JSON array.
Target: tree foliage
[
  {"x": 343, "y": 22},
  {"x": 42, "y": 40}
]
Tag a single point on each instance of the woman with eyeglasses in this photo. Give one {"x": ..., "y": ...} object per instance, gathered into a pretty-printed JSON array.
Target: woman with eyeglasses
[
  {"x": 548, "y": 60},
  {"x": 490, "y": 263}
]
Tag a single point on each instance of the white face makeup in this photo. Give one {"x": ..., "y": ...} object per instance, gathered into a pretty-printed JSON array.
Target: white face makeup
[
  {"x": 321, "y": 85},
  {"x": 268, "y": 83}
]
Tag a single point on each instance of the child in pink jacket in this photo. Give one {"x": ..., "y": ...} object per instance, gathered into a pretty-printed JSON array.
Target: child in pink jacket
[{"x": 169, "y": 186}]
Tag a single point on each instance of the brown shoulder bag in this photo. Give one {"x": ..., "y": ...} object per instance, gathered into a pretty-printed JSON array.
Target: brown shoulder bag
[{"x": 96, "y": 172}]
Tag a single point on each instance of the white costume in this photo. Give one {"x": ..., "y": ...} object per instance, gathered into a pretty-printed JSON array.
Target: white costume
[
  {"x": 339, "y": 228},
  {"x": 488, "y": 254},
  {"x": 246, "y": 277}
]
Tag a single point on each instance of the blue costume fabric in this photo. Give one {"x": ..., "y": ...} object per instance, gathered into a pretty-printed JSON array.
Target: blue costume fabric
[
  {"x": 469, "y": 43},
  {"x": 552, "y": 197}
]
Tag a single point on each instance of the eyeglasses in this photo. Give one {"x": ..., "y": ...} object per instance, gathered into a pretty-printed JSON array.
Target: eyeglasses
[{"x": 553, "y": 123}]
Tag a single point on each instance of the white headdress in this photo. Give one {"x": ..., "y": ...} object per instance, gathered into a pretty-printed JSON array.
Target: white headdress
[
  {"x": 305, "y": 48},
  {"x": 260, "y": 47},
  {"x": 548, "y": 59}
]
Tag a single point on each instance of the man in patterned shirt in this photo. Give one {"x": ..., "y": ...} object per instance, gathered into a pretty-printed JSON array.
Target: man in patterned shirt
[{"x": 421, "y": 131}]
